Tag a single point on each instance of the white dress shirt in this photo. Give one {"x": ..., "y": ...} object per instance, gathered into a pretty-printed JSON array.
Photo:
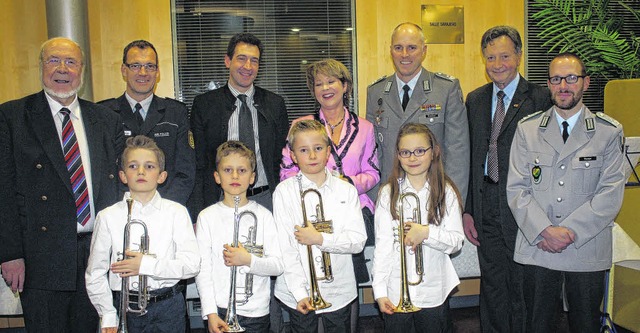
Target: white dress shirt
[
  {"x": 342, "y": 206},
  {"x": 439, "y": 274},
  {"x": 214, "y": 229},
  {"x": 173, "y": 250}
]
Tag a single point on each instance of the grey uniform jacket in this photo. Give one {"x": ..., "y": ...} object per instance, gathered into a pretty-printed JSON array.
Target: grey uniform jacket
[
  {"x": 578, "y": 184},
  {"x": 436, "y": 102}
]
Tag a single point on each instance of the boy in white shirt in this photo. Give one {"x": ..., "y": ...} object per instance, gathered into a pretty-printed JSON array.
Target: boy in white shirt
[
  {"x": 310, "y": 149},
  {"x": 173, "y": 250},
  {"x": 235, "y": 171}
]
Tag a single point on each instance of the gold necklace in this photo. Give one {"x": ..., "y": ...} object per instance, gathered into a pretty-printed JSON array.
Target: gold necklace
[{"x": 332, "y": 127}]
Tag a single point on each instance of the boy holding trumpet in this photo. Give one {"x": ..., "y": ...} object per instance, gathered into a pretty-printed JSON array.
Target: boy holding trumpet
[
  {"x": 171, "y": 252},
  {"x": 317, "y": 285},
  {"x": 245, "y": 304}
]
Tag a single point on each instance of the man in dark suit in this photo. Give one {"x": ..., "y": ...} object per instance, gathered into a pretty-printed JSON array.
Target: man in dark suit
[
  {"x": 165, "y": 120},
  {"x": 58, "y": 169},
  {"x": 219, "y": 115},
  {"x": 488, "y": 222}
]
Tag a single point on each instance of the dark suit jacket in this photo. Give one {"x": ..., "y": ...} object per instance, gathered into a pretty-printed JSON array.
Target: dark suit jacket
[
  {"x": 167, "y": 122},
  {"x": 38, "y": 215},
  {"x": 528, "y": 98},
  {"x": 210, "y": 125}
]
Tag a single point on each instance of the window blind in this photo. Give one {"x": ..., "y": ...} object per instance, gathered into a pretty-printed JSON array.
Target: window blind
[{"x": 295, "y": 33}]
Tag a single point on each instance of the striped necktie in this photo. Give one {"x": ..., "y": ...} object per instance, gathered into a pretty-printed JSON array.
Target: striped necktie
[{"x": 73, "y": 161}]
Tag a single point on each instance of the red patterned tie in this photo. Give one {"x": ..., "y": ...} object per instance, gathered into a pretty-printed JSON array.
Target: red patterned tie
[
  {"x": 498, "y": 118},
  {"x": 76, "y": 172}
]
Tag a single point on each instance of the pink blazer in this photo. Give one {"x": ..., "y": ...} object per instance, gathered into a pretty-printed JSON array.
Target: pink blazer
[{"x": 357, "y": 150}]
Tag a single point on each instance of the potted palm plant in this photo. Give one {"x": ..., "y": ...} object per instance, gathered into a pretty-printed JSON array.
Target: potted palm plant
[{"x": 594, "y": 31}]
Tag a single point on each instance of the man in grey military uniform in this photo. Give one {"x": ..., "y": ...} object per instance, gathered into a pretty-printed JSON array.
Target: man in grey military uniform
[
  {"x": 565, "y": 187},
  {"x": 416, "y": 95}
]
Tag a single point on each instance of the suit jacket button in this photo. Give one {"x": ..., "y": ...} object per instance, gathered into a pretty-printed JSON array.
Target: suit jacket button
[
  {"x": 43, "y": 228},
  {"x": 587, "y": 164},
  {"x": 38, "y": 166},
  {"x": 562, "y": 167},
  {"x": 561, "y": 183},
  {"x": 111, "y": 176},
  {"x": 44, "y": 198},
  {"x": 559, "y": 199}
]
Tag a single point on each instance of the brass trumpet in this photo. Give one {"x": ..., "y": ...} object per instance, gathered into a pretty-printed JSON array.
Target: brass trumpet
[
  {"x": 231, "y": 318},
  {"x": 143, "y": 292},
  {"x": 405, "y": 305},
  {"x": 321, "y": 225}
]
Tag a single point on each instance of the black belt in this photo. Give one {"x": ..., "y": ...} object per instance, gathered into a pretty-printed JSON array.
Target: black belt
[
  {"x": 82, "y": 235},
  {"x": 160, "y": 294},
  {"x": 257, "y": 190},
  {"x": 488, "y": 180}
]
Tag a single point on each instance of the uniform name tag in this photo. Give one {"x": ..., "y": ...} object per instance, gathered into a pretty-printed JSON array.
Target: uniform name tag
[
  {"x": 588, "y": 158},
  {"x": 161, "y": 134},
  {"x": 127, "y": 133}
]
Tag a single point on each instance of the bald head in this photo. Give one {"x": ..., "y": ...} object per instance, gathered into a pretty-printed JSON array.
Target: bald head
[{"x": 408, "y": 50}]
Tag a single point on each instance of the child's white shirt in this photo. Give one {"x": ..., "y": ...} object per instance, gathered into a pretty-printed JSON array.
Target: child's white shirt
[
  {"x": 342, "y": 206},
  {"x": 214, "y": 229},
  {"x": 173, "y": 250},
  {"x": 439, "y": 274}
]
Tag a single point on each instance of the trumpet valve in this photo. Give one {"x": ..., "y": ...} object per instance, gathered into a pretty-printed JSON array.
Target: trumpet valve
[
  {"x": 323, "y": 226},
  {"x": 257, "y": 250}
]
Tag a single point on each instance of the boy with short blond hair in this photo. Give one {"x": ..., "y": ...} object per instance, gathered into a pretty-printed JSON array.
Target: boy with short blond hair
[
  {"x": 310, "y": 149},
  {"x": 235, "y": 171},
  {"x": 173, "y": 250}
]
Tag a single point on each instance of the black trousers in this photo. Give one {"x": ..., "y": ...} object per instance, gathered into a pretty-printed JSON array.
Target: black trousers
[
  {"x": 337, "y": 321},
  {"x": 584, "y": 293},
  {"x": 62, "y": 311},
  {"x": 427, "y": 320},
  {"x": 501, "y": 292}
]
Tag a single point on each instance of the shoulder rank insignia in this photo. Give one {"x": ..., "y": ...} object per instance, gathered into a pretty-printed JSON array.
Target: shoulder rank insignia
[
  {"x": 608, "y": 119},
  {"x": 445, "y": 76},
  {"x": 378, "y": 80},
  {"x": 530, "y": 116}
]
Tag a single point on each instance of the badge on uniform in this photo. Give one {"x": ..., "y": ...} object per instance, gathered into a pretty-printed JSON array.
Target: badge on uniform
[
  {"x": 379, "y": 112},
  {"x": 536, "y": 172},
  {"x": 430, "y": 107}
]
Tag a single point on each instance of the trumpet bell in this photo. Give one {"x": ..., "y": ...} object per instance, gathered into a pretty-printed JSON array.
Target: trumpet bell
[
  {"x": 405, "y": 306},
  {"x": 234, "y": 327}
]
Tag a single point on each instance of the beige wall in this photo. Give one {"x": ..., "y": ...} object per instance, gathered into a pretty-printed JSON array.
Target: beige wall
[{"x": 114, "y": 23}]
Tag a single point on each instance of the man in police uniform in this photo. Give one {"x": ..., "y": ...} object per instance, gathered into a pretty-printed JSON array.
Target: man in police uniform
[
  {"x": 565, "y": 187},
  {"x": 164, "y": 120},
  {"x": 414, "y": 94}
]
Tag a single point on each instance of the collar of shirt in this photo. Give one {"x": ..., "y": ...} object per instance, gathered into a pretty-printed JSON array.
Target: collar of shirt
[
  {"x": 509, "y": 91},
  {"x": 405, "y": 186},
  {"x": 146, "y": 104},
  {"x": 55, "y": 107},
  {"x": 154, "y": 203},
  {"x": 571, "y": 121},
  {"x": 328, "y": 182},
  {"x": 250, "y": 92},
  {"x": 412, "y": 84}
]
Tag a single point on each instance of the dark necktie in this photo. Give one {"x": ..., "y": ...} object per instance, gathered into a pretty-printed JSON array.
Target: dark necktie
[
  {"x": 245, "y": 124},
  {"x": 74, "y": 166},
  {"x": 405, "y": 97},
  {"x": 565, "y": 131},
  {"x": 498, "y": 118},
  {"x": 138, "y": 114}
]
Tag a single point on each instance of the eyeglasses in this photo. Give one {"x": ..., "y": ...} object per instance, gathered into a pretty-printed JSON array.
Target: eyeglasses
[
  {"x": 417, "y": 152},
  {"x": 569, "y": 79},
  {"x": 148, "y": 67},
  {"x": 56, "y": 62}
]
